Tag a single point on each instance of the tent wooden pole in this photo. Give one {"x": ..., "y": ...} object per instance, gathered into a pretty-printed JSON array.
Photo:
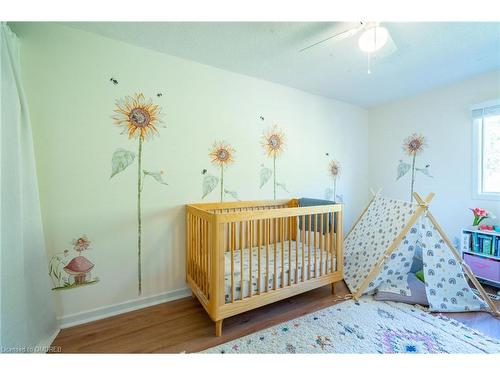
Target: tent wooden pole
[
  {"x": 374, "y": 195},
  {"x": 457, "y": 256},
  {"x": 376, "y": 269}
]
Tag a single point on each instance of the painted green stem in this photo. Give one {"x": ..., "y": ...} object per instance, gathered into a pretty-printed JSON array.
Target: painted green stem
[
  {"x": 139, "y": 215},
  {"x": 412, "y": 177},
  {"x": 222, "y": 183},
  {"x": 274, "y": 176},
  {"x": 334, "y": 189}
]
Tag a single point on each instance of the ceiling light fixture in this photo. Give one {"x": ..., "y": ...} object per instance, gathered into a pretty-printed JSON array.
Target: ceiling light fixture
[{"x": 373, "y": 39}]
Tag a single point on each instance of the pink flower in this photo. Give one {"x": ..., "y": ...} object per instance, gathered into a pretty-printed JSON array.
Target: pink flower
[{"x": 481, "y": 212}]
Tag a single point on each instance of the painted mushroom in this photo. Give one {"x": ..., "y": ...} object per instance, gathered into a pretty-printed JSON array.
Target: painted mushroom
[{"x": 79, "y": 267}]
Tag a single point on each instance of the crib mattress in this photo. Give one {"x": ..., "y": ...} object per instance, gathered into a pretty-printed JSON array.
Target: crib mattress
[{"x": 289, "y": 274}]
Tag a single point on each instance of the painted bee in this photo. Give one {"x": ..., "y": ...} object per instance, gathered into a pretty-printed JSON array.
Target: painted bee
[{"x": 114, "y": 80}]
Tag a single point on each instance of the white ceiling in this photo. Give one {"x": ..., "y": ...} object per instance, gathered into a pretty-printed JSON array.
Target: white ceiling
[{"x": 428, "y": 55}]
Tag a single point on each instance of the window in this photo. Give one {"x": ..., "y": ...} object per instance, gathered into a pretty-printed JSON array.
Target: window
[{"x": 486, "y": 147}]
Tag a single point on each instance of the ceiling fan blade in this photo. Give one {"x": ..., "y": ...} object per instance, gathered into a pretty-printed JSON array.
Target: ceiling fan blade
[{"x": 338, "y": 37}]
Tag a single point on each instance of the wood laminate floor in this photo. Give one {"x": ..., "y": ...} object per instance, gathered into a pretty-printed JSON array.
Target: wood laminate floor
[{"x": 183, "y": 325}]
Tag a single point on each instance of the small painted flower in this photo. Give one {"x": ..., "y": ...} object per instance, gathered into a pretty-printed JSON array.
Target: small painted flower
[
  {"x": 222, "y": 153},
  {"x": 273, "y": 141},
  {"x": 82, "y": 243},
  {"x": 414, "y": 144},
  {"x": 138, "y": 117}
]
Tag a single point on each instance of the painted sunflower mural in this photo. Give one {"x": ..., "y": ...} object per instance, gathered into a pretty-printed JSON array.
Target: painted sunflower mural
[
  {"x": 221, "y": 155},
  {"x": 334, "y": 170},
  {"x": 139, "y": 119},
  {"x": 273, "y": 142},
  {"x": 413, "y": 145}
]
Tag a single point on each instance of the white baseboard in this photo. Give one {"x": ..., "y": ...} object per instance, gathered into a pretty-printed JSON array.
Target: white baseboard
[
  {"x": 120, "y": 308},
  {"x": 45, "y": 344}
]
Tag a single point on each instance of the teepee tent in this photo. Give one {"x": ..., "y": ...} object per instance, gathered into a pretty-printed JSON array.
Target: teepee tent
[{"x": 379, "y": 249}]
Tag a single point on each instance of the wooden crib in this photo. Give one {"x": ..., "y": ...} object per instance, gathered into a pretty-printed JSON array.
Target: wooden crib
[{"x": 243, "y": 255}]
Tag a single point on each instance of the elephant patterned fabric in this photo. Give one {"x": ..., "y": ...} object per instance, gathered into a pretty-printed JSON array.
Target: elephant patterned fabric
[
  {"x": 373, "y": 234},
  {"x": 446, "y": 286}
]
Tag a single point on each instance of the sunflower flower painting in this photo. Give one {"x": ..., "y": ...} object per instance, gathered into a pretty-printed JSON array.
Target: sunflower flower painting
[
  {"x": 273, "y": 142},
  {"x": 221, "y": 155},
  {"x": 413, "y": 146},
  {"x": 334, "y": 170},
  {"x": 139, "y": 119}
]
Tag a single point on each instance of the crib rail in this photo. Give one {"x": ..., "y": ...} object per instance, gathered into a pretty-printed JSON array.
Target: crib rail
[{"x": 242, "y": 255}]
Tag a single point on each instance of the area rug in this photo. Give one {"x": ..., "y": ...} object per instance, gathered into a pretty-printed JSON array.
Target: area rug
[{"x": 366, "y": 326}]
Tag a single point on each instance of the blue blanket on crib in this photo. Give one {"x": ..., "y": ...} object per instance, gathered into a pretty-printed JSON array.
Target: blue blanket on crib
[{"x": 327, "y": 219}]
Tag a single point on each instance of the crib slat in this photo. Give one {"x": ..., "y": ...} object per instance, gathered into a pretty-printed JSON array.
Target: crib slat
[
  {"x": 259, "y": 234},
  {"x": 267, "y": 240},
  {"x": 289, "y": 236},
  {"x": 204, "y": 259},
  {"x": 233, "y": 225},
  {"x": 200, "y": 254},
  {"x": 315, "y": 245},
  {"x": 303, "y": 240},
  {"x": 250, "y": 257},
  {"x": 207, "y": 257},
  {"x": 296, "y": 234},
  {"x": 338, "y": 242},
  {"x": 197, "y": 252},
  {"x": 233, "y": 235},
  {"x": 282, "y": 242},
  {"x": 309, "y": 248},
  {"x": 321, "y": 241},
  {"x": 275, "y": 239},
  {"x": 207, "y": 245},
  {"x": 327, "y": 242},
  {"x": 242, "y": 241}
]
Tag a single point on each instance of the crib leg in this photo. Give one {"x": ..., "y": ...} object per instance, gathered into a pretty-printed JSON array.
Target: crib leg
[
  {"x": 193, "y": 295},
  {"x": 333, "y": 288},
  {"x": 218, "y": 328}
]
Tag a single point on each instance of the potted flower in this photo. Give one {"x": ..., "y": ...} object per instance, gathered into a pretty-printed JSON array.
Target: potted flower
[{"x": 479, "y": 215}]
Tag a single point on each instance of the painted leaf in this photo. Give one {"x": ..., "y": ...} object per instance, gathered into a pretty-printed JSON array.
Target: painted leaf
[
  {"x": 403, "y": 169},
  {"x": 209, "y": 184},
  {"x": 158, "y": 176},
  {"x": 121, "y": 159},
  {"x": 283, "y": 186},
  {"x": 265, "y": 175},
  {"x": 328, "y": 194},
  {"x": 232, "y": 193},
  {"x": 424, "y": 171}
]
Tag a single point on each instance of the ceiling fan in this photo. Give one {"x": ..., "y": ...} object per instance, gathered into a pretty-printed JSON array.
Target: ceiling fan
[{"x": 373, "y": 37}]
